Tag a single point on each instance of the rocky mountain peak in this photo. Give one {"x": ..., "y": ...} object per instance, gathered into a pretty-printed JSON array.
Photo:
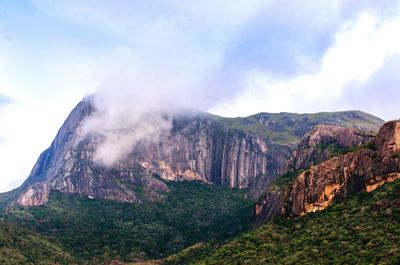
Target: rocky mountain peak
[
  {"x": 388, "y": 138},
  {"x": 325, "y": 141}
]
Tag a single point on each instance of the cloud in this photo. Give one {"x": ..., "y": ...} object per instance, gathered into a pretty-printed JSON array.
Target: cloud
[
  {"x": 283, "y": 39},
  {"x": 162, "y": 68},
  {"x": 4, "y": 101},
  {"x": 359, "y": 49},
  {"x": 138, "y": 96},
  {"x": 286, "y": 39},
  {"x": 379, "y": 94}
]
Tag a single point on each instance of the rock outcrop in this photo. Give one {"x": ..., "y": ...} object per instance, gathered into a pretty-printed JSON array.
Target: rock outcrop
[
  {"x": 231, "y": 152},
  {"x": 325, "y": 141},
  {"x": 317, "y": 187},
  {"x": 388, "y": 139},
  {"x": 35, "y": 195}
]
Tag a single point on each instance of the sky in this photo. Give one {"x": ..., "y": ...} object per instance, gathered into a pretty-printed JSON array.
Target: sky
[{"x": 231, "y": 58}]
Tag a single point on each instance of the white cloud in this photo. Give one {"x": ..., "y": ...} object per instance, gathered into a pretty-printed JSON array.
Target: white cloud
[{"x": 359, "y": 50}]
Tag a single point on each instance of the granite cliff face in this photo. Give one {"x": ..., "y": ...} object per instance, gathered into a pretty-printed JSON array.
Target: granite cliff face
[
  {"x": 231, "y": 152},
  {"x": 67, "y": 167},
  {"x": 199, "y": 149},
  {"x": 317, "y": 187},
  {"x": 196, "y": 149}
]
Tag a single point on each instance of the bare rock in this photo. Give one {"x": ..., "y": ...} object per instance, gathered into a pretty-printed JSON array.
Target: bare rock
[
  {"x": 388, "y": 138},
  {"x": 324, "y": 142},
  {"x": 35, "y": 195},
  {"x": 319, "y": 186}
]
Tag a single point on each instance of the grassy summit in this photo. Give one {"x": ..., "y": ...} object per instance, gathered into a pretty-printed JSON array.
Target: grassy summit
[{"x": 288, "y": 128}]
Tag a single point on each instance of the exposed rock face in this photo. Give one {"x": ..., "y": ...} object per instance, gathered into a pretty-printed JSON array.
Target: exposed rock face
[
  {"x": 196, "y": 149},
  {"x": 200, "y": 150},
  {"x": 363, "y": 170},
  {"x": 271, "y": 205},
  {"x": 36, "y": 194},
  {"x": 67, "y": 167},
  {"x": 235, "y": 153},
  {"x": 321, "y": 143},
  {"x": 388, "y": 138}
]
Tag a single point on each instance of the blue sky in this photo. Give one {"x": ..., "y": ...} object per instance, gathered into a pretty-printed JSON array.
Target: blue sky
[{"x": 230, "y": 58}]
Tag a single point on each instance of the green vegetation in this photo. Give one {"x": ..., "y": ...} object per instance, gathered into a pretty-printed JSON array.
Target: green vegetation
[
  {"x": 21, "y": 246},
  {"x": 6, "y": 197},
  {"x": 96, "y": 230},
  {"x": 285, "y": 179},
  {"x": 370, "y": 145},
  {"x": 363, "y": 229},
  {"x": 335, "y": 149},
  {"x": 191, "y": 254}
]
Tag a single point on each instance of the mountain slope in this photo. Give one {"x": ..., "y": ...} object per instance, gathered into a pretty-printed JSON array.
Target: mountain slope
[
  {"x": 90, "y": 228},
  {"x": 21, "y": 246},
  {"x": 363, "y": 229},
  {"x": 232, "y": 152}
]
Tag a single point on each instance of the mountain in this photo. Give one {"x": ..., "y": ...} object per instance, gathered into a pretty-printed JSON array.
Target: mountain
[
  {"x": 338, "y": 204},
  {"x": 366, "y": 168},
  {"x": 360, "y": 229},
  {"x": 231, "y": 152},
  {"x": 185, "y": 198}
]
